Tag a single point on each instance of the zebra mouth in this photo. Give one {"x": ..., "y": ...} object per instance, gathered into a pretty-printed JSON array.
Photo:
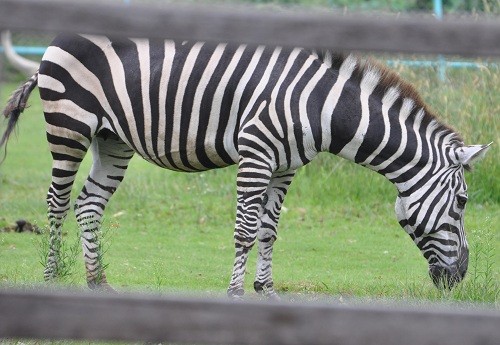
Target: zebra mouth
[{"x": 445, "y": 277}]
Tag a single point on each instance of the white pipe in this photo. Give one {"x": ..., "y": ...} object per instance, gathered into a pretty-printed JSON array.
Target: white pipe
[{"x": 24, "y": 65}]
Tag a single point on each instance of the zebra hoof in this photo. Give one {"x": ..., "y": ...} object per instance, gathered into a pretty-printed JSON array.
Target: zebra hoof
[
  {"x": 101, "y": 287},
  {"x": 273, "y": 296},
  {"x": 235, "y": 294},
  {"x": 266, "y": 290},
  {"x": 236, "y": 298}
]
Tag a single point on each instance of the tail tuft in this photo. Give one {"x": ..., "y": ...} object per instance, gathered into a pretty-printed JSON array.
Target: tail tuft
[
  {"x": 15, "y": 106},
  {"x": 17, "y": 101}
]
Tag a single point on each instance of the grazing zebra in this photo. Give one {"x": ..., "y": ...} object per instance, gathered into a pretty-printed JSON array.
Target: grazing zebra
[{"x": 193, "y": 106}]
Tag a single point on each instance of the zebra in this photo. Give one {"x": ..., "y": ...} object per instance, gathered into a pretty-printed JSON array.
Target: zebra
[{"x": 195, "y": 106}]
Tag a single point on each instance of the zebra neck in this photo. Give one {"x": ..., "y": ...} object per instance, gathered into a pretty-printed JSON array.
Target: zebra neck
[{"x": 382, "y": 128}]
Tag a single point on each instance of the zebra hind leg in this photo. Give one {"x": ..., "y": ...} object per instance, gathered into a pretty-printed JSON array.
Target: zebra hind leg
[
  {"x": 68, "y": 146},
  {"x": 267, "y": 233},
  {"x": 110, "y": 160},
  {"x": 64, "y": 169},
  {"x": 252, "y": 182}
]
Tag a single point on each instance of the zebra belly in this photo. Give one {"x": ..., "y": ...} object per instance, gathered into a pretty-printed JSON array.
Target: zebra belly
[{"x": 190, "y": 158}]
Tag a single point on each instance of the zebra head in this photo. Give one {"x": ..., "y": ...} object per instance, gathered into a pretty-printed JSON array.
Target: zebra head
[{"x": 433, "y": 215}]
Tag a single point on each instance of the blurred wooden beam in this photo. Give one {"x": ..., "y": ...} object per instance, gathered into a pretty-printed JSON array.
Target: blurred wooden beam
[
  {"x": 132, "y": 317},
  {"x": 309, "y": 29}
]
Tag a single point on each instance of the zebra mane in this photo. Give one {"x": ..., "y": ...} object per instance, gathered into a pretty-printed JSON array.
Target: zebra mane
[{"x": 389, "y": 79}]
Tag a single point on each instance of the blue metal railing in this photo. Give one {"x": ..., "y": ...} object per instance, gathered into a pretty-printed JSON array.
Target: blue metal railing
[
  {"x": 438, "y": 11},
  {"x": 27, "y": 50}
]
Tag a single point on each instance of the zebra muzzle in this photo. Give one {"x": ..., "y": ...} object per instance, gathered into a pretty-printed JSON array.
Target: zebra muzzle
[{"x": 446, "y": 277}]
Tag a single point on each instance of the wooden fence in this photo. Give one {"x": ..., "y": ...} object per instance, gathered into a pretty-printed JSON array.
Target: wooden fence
[
  {"x": 312, "y": 29},
  {"x": 72, "y": 315},
  {"x": 92, "y": 316}
]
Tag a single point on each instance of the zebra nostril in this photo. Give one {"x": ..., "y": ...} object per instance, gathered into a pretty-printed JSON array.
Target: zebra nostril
[
  {"x": 463, "y": 263},
  {"x": 445, "y": 277},
  {"x": 436, "y": 273},
  {"x": 462, "y": 273}
]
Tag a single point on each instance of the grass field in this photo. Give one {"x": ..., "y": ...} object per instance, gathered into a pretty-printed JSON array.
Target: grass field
[{"x": 167, "y": 231}]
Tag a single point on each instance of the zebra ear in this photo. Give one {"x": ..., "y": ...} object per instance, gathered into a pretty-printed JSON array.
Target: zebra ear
[{"x": 468, "y": 155}]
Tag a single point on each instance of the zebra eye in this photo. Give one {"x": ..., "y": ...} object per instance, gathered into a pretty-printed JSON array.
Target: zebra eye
[{"x": 461, "y": 200}]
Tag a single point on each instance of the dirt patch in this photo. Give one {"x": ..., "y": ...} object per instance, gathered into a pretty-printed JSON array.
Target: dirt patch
[{"x": 21, "y": 225}]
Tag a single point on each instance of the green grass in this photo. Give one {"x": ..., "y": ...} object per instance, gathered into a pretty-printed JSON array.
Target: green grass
[{"x": 168, "y": 231}]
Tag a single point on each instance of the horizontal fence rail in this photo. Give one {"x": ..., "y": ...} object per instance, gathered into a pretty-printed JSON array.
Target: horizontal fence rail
[
  {"x": 133, "y": 317},
  {"x": 312, "y": 29}
]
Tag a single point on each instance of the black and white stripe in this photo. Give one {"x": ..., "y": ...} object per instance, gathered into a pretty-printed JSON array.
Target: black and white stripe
[{"x": 193, "y": 106}]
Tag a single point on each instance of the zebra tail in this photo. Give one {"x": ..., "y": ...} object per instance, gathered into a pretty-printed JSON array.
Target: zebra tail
[{"x": 15, "y": 106}]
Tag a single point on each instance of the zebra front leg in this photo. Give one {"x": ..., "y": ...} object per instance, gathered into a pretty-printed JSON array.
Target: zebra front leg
[
  {"x": 252, "y": 181},
  {"x": 110, "y": 160},
  {"x": 267, "y": 233},
  {"x": 263, "y": 283}
]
